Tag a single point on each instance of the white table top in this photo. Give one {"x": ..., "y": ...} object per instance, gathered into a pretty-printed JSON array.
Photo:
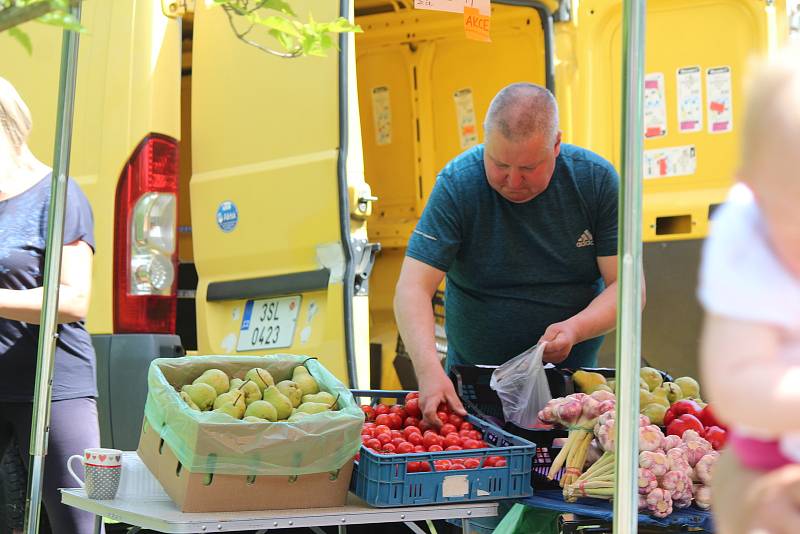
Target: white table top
[{"x": 164, "y": 516}]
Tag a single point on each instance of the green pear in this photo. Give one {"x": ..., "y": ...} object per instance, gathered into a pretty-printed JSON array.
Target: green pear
[
  {"x": 231, "y": 403},
  {"x": 292, "y": 391},
  {"x": 304, "y": 380},
  {"x": 251, "y": 392},
  {"x": 297, "y": 416},
  {"x": 323, "y": 396},
  {"x": 674, "y": 391},
  {"x": 652, "y": 377},
  {"x": 689, "y": 386},
  {"x": 281, "y": 403},
  {"x": 188, "y": 400},
  {"x": 235, "y": 383},
  {"x": 254, "y": 419},
  {"x": 202, "y": 394},
  {"x": 313, "y": 407},
  {"x": 262, "y": 377},
  {"x": 216, "y": 379},
  {"x": 262, "y": 409}
]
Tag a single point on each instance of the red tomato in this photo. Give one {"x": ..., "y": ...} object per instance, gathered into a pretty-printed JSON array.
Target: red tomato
[
  {"x": 411, "y": 422},
  {"x": 683, "y": 423},
  {"x": 441, "y": 465},
  {"x": 373, "y": 444},
  {"x": 456, "y": 420},
  {"x": 466, "y": 426},
  {"x": 369, "y": 412},
  {"x": 368, "y": 432},
  {"x": 399, "y": 410},
  {"x": 381, "y": 429},
  {"x": 454, "y": 448},
  {"x": 388, "y": 448},
  {"x": 381, "y": 409},
  {"x": 430, "y": 439},
  {"x": 412, "y": 395},
  {"x": 420, "y": 448},
  {"x": 682, "y": 407},
  {"x": 397, "y": 441},
  {"x": 482, "y": 444},
  {"x": 397, "y": 434},
  {"x": 384, "y": 438},
  {"x": 472, "y": 463},
  {"x": 404, "y": 447},
  {"x": 447, "y": 428},
  {"x": 707, "y": 417},
  {"x": 470, "y": 444},
  {"x": 435, "y": 448},
  {"x": 412, "y": 467},
  {"x": 370, "y": 425},
  {"x": 383, "y": 420},
  {"x": 456, "y": 467},
  {"x": 407, "y": 431},
  {"x": 452, "y": 439},
  {"x": 424, "y": 467},
  {"x": 415, "y": 438},
  {"x": 491, "y": 461},
  {"x": 500, "y": 463},
  {"x": 395, "y": 423},
  {"x": 464, "y": 433},
  {"x": 444, "y": 417},
  {"x": 716, "y": 436},
  {"x": 412, "y": 408}
]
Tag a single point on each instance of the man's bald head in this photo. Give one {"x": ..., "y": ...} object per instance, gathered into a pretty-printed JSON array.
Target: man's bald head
[{"x": 523, "y": 110}]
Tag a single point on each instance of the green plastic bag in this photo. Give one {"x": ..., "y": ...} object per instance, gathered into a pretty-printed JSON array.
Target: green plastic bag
[
  {"x": 523, "y": 519},
  {"x": 209, "y": 442}
]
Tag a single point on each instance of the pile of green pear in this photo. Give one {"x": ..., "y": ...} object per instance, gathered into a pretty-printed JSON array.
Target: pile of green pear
[{"x": 256, "y": 398}]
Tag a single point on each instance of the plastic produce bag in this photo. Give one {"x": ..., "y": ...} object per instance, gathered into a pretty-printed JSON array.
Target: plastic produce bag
[
  {"x": 521, "y": 384},
  {"x": 210, "y": 442}
]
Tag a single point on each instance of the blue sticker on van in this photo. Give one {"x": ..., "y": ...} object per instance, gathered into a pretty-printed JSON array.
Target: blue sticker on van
[{"x": 227, "y": 216}]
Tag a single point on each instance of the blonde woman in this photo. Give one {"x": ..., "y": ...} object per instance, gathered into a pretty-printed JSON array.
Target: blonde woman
[{"x": 25, "y": 184}]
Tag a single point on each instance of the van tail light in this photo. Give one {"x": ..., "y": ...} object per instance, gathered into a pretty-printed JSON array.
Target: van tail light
[{"x": 145, "y": 239}]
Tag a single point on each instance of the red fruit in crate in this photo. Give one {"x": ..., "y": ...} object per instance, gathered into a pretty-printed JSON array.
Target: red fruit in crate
[
  {"x": 412, "y": 395},
  {"x": 412, "y": 467},
  {"x": 388, "y": 448},
  {"x": 456, "y": 467},
  {"x": 447, "y": 428},
  {"x": 456, "y": 420},
  {"x": 683, "y": 423},
  {"x": 482, "y": 444},
  {"x": 369, "y": 412},
  {"x": 472, "y": 463},
  {"x": 424, "y": 467},
  {"x": 383, "y": 419},
  {"x": 397, "y": 434},
  {"x": 682, "y": 407},
  {"x": 381, "y": 409},
  {"x": 466, "y": 426},
  {"x": 452, "y": 439},
  {"x": 381, "y": 429},
  {"x": 395, "y": 423},
  {"x": 501, "y": 463},
  {"x": 371, "y": 424},
  {"x": 716, "y": 436},
  {"x": 399, "y": 410},
  {"x": 441, "y": 465},
  {"x": 474, "y": 434},
  {"x": 373, "y": 444},
  {"x": 420, "y": 448},
  {"x": 415, "y": 438},
  {"x": 455, "y": 448},
  {"x": 424, "y": 425},
  {"x": 384, "y": 438},
  {"x": 367, "y": 432},
  {"x": 412, "y": 408},
  {"x": 405, "y": 447},
  {"x": 397, "y": 441},
  {"x": 435, "y": 448},
  {"x": 358, "y": 456},
  {"x": 444, "y": 417},
  {"x": 365, "y": 439},
  {"x": 490, "y": 461},
  {"x": 411, "y": 422},
  {"x": 708, "y": 419},
  {"x": 430, "y": 439},
  {"x": 464, "y": 433},
  {"x": 407, "y": 431},
  {"x": 471, "y": 444}
]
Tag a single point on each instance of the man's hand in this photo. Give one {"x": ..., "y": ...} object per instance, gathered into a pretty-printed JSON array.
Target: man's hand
[
  {"x": 774, "y": 501},
  {"x": 560, "y": 338},
  {"x": 434, "y": 389}
]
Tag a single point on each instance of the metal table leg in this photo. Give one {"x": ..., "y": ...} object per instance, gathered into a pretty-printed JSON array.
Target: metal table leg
[
  {"x": 465, "y": 526},
  {"x": 98, "y": 524}
]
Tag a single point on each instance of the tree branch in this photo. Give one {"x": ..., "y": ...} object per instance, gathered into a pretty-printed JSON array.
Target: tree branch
[{"x": 16, "y": 15}]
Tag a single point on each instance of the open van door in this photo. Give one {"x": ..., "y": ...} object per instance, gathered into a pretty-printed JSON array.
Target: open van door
[{"x": 278, "y": 198}]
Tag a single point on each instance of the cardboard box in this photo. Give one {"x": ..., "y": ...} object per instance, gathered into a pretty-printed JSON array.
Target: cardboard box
[{"x": 235, "y": 493}]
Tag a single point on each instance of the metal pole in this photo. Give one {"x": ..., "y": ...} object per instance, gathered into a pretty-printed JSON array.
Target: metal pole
[
  {"x": 40, "y": 425},
  {"x": 629, "y": 318}
]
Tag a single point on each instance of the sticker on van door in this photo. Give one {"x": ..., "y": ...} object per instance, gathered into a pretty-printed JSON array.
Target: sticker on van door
[
  {"x": 465, "y": 115},
  {"x": 382, "y": 115},
  {"x": 227, "y": 216},
  {"x": 671, "y": 161},
  {"x": 655, "y": 106},
  {"x": 690, "y": 99},
  {"x": 720, "y": 99}
]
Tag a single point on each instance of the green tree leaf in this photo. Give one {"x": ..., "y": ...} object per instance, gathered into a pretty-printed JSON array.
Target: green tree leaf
[{"x": 23, "y": 38}]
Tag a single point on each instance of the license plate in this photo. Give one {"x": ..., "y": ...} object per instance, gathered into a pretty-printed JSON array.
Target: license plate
[{"x": 269, "y": 323}]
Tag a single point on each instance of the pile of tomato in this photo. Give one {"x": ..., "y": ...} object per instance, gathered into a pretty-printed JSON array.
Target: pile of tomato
[{"x": 399, "y": 429}]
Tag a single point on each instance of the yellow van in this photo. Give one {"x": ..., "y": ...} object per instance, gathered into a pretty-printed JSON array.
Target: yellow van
[{"x": 246, "y": 203}]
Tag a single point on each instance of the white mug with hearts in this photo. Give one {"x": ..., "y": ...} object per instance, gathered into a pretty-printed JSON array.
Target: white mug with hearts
[{"x": 102, "y": 468}]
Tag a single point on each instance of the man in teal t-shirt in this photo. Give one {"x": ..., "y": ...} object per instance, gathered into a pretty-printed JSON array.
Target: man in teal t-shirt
[{"x": 525, "y": 229}]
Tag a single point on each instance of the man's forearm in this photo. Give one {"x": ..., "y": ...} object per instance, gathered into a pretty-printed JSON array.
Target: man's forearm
[
  {"x": 26, "y": 305},
  {"x": 415, "y": 321},
  {"x": 599, "y": 317}
]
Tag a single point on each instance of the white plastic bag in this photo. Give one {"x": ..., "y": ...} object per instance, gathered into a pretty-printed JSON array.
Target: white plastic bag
[{"x": 521, "y": 384}]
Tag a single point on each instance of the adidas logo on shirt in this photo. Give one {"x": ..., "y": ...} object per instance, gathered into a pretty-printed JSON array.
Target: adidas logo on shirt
[{"x": 585, "y": 240}]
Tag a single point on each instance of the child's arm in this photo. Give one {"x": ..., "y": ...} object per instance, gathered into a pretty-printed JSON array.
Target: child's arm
[{"x": 744, "y": 378}]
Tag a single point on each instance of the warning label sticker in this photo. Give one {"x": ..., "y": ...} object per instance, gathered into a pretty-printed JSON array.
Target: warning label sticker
[
  {"x": 672, "y": 161},
  {"x": 465, "y": 115},
  {"x": 382, "y": 115},
  {"x": 655, "y": 106},
  {"x": 454, "y": 6},
  {"x": 690, "y": 99},
  {"x": 719, "y": 92}
]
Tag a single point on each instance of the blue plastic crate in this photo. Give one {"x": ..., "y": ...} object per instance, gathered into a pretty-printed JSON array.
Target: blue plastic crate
[{"x": 383, "y": 481}]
